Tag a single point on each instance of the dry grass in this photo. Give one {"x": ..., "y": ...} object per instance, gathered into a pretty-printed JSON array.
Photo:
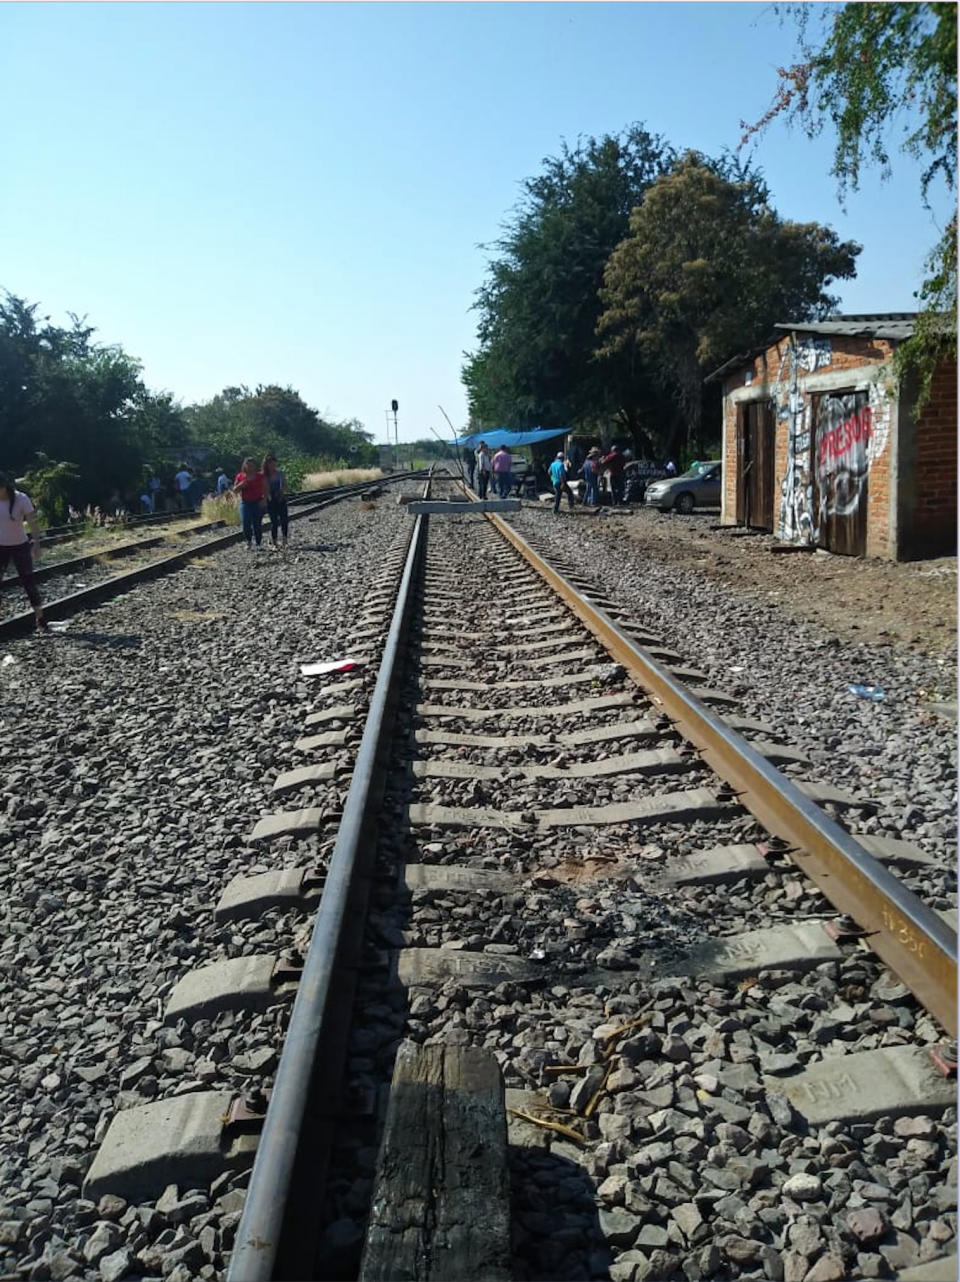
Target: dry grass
[
  {"x": 349, "y": 476},
  {"x": 222, "y": 507}
]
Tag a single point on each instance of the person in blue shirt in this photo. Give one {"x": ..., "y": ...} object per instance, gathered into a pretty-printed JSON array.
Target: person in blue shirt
[
  {"x": 223, "y": 481},
  {"x": 591, "y": 478},
  {"x": 558, "y": 476}
]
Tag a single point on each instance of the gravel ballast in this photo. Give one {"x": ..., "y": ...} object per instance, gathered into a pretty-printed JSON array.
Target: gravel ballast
[{"x": 141, "y": 746}]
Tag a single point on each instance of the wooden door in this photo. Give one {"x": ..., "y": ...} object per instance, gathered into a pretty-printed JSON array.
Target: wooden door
[
  {"x": 841, "y": 471},
  {"x": 755, "y": 451}
]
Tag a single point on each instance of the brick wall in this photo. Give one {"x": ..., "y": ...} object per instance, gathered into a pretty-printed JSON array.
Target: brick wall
[
  {"x": 729, "y": 461},
  {"x": 878, "y": 504},
  {"x": 935, "y": 514},
  {"x": 771, "y": 369}
]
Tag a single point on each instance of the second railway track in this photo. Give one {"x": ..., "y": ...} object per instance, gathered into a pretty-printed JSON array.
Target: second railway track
[{"x": 710, "y": 1071}]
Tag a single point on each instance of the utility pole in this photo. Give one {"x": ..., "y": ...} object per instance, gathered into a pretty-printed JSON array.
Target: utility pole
[{"x": 394, "y": 406}]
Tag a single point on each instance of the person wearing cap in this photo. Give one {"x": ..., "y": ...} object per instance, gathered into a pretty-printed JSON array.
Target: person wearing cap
[
  {"x": 558, "y": 476},
  {"x": 591, "y": 479},
  {"x": 613, "y": 465}
]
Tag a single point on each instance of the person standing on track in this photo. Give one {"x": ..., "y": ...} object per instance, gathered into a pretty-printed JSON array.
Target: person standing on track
[
  {"x": 613, "y": 464},
  {"x": 502, "y": 465},
  {"x": 483, "y": 469},
  {"x": 182, "y": 481},
  {"x": 558, "y": 476},
  {"x": 591, "y": 478},
  {"x": 19, "y": 542},
  {"x": 252, "y": 488},
  {"x": 276, "y": 499}
]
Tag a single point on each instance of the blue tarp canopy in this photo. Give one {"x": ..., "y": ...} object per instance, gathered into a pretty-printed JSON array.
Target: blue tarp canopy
[{"x": 503, "y": 436}]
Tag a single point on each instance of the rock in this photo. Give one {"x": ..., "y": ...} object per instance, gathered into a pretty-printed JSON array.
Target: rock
[
  {"x": 688, "y": 1219},
  {"x": 741, "y": 1250},
  {"x": 902, "y": 1252},
  {"x": 914, "y": 1127},
  {"x": 111, "y": 1207},
  {"x": 101, "y": 1242},
  {"x": 612, "y": 1189},
  {"x": 619, "y": 1227},
  {"x": 803, "y": 1187},
  {"x": 829, "y": 1268},
  {"x": 780, "y": 1108},
  {"x": 115, "y": 1266},
  {"x": 795, "y": 1266},
  {"x": 867, "y": 1225}
]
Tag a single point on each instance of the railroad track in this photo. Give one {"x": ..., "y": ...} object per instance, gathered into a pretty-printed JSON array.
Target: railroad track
[
  {"x": 148, "y": 520},
  {"x": 724, "y": 1024},
  {"x": 92, "y": 565}
]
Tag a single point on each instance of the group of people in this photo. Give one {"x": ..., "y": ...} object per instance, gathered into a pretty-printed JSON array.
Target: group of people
[
  {"x": 261, "y": 492},
  {"x": 497, "y": 468},
  {"x": 497, "y": 472}
]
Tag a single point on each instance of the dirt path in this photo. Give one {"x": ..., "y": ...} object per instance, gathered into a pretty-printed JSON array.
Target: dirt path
[{"x": 912, "y": 604}]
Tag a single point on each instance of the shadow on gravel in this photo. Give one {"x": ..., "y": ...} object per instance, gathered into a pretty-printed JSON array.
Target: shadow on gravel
[
  {"x": 102, "y": 640},
  {"x": 555, "y": 1232},
  {"x": 315, "y": 547}
]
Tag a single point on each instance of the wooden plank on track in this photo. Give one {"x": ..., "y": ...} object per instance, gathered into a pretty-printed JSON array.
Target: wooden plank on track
[{"x": 441, "y": 1205}]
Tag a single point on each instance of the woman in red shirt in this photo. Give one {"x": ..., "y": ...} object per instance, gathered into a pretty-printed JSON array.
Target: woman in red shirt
[{"x": 252, "y": 487}]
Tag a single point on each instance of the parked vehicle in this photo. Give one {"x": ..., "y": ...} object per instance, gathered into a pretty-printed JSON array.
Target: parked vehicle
[
  {"x": 699, "y": 487},
  {"x": 638, "y": 475}
]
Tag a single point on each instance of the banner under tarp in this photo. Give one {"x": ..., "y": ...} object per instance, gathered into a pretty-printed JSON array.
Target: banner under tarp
[{"x": 503, "y": 436}]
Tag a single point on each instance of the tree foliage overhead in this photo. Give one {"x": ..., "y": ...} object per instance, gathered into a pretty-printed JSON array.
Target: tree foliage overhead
[
  {"x": 539, "y": 306},
  {"x": 864, "y": 69},
  {"x": 705, "y": 270}
]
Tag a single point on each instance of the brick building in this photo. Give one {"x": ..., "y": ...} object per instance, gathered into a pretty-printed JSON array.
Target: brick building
[{"x": 819, "y": 448}]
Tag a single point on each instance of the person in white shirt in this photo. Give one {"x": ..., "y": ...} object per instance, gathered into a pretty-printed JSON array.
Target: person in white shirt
[
  {"x": 17, "y": 517},
  {"x": 483, "y": 469}
]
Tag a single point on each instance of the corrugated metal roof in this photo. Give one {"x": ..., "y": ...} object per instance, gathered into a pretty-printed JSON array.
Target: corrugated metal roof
[{"x": 893, "y": 325}]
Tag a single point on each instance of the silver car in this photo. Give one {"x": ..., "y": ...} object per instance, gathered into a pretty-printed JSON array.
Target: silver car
[{"x": 699, "y": 487}]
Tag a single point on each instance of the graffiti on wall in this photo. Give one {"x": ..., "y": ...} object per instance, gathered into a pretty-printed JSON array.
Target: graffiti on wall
[
  {"x": 844, "y": 431},
  {"x": 813, "y": 353},
  {"x": 852, "y": 432},
  {"x": 828, "y": 462},
  {"x": 796, "y": 522}
]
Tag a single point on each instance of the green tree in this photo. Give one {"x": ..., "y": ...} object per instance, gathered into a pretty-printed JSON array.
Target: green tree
[
  {"x": 538, "y": 307},
  {"x": 75, "y": 399},
  {"x": 238, "y": 423},
  {"x": 864, "y": 68},
  {"x": 50, "y": 485},
  {"x": 706, "y": 269}
]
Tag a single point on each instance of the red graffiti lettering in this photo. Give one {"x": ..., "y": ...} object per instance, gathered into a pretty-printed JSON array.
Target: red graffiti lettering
[{"x": 840, "y": 439}]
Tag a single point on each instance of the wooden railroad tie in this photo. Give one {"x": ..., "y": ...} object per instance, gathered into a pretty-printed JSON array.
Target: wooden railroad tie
[{"x": 441, "y": 1206}]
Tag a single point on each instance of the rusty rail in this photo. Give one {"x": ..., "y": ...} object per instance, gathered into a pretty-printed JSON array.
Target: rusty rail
[{"x": 909, "y": 937}]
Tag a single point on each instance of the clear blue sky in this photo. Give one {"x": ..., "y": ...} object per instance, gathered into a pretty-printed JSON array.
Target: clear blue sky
[{"x": 296, "y": 193}]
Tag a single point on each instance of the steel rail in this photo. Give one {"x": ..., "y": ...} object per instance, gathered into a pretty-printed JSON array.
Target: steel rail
[
  {"x": 111, "y": 552},
  {"x": 62, "y": 607},
  {"x": 909, "y": 937},
  {"x": 264, "y": 1228}
]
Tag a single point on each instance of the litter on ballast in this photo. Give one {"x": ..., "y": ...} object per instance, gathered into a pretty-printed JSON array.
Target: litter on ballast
[
  {"x": 320, "y": 669},
  {"x": 876, "y": 693}
]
